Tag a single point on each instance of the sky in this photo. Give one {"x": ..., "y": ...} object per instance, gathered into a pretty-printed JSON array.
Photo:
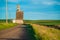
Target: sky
[{"x": 32, "y": 9}]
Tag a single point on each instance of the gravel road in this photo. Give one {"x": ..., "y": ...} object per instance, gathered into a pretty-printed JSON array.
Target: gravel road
[{"x": 20, "y": 32}]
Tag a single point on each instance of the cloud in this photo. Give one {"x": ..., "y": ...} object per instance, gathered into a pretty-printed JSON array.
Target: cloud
[
  {"x": 58, "y": 3},
  {"x": 48, "y": 3},
  {"x": 45, "y": 2},
  {"x": 35, "y": 1},
  {"x": 51, "y": 3},
  {"x": 14, "y": 1}
]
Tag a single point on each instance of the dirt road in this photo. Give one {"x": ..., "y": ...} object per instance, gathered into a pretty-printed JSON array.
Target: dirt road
[{"x": 20, "y": 32}]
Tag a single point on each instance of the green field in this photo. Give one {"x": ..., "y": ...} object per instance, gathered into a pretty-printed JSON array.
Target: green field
[
  {"x": 44, "y": 32},
  {"x": 3, "y": 20},
  {"x": 43, "y": 22},
  {"x": 3, "y": 24},
  {"x": 6, "y": 26}
]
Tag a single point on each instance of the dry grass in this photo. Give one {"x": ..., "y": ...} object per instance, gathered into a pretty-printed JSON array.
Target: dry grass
[{"x": 46, "y": 33}]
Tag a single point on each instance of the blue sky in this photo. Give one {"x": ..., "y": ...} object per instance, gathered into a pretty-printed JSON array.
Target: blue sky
[{"x": 33, "y": 9}]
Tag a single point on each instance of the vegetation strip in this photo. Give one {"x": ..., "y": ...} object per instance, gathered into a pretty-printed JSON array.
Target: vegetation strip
[
  {"x": 46, "y": 33},
  {"x": 6, "y": 26}
]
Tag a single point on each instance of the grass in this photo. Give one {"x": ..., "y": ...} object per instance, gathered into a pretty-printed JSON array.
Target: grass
[
  {"x": 44, "y": 32},
  {"x": 3, "y": 24},
  {"x": 4, "y": 20},
  {"x": 6, "y": 26},
  {"x": 43, "y": 22}
]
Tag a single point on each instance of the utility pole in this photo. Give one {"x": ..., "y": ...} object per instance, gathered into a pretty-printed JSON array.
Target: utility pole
[{"x": 6, "y": 12}]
